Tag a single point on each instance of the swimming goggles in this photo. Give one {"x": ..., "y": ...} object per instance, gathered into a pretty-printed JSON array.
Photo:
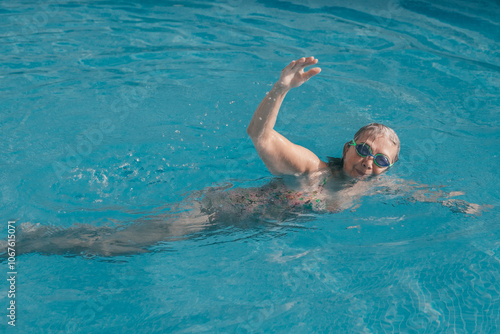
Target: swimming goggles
[{"x": 364, "y": 150}]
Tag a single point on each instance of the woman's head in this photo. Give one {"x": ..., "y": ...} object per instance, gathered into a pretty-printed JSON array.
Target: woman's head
[{"x": 381, "y": 140}]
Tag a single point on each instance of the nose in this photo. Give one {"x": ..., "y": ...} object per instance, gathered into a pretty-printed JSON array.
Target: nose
[{"x": 368, "y": 162}]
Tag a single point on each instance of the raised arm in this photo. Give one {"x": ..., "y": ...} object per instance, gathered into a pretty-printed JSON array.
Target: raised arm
[{"x": 279, "y": 154}]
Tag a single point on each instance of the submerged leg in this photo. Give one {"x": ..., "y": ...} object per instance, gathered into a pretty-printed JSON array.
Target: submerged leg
[{"x": 86, "y": 239}]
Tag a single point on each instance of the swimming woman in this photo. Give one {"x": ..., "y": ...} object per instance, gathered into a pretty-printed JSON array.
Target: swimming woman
[
  {"x": 374, "y": 149},
  {"x": 306, "y": 184}
]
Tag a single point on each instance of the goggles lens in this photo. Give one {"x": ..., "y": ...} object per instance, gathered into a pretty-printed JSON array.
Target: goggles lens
[{"x": 365, "y": 150}]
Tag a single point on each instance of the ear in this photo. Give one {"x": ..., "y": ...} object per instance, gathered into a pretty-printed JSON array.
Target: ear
[{"x": 346, "y": 147}]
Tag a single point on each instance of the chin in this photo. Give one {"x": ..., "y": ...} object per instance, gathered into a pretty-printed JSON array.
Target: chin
[{"x": 358, "y": 174}]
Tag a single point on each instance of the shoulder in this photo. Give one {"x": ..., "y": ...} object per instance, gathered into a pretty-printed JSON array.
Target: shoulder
[{"x": 319, "y": 166}]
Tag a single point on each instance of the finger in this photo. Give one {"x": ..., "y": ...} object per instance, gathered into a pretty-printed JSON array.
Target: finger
[
  {"x": 289, "y": 66},
  {"x": 312, "y": 72},
  {"x": 311, "y": 60},
  {"x": 304, "y": 62},
  {"x": 292, "y": 63},
  {"x": 297, "y": 63},
  {"x": 301, "y": 63}
]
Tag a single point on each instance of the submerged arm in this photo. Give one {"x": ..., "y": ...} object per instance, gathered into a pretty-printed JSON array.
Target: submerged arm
[
  {"x": 279, "y": 154},
  {"x": 415, "y": 192},
  {"x": 448, "y": 200}
]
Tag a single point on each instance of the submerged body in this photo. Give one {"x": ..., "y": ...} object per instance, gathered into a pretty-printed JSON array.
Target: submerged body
[
  {"x": 282, "y": 199},
  {"x": 271, "y": 201},
  {"x": 328, "y": 190}
]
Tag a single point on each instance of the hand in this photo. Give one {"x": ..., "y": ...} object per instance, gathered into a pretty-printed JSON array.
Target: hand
[{"x": 293, "y": 75}]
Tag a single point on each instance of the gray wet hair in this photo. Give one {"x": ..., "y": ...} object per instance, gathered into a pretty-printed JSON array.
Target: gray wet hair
[{"x": 374, "y": 130}]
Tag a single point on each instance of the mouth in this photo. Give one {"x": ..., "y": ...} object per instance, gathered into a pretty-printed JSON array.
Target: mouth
[{"x": 359, "y": 173}]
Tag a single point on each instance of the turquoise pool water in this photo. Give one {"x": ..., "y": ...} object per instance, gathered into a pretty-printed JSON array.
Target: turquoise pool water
[{"x": 113, "y": 110}]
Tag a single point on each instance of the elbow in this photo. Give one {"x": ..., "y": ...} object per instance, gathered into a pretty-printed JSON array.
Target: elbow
[
  {"x": 257, "y": 131},
  {"x": 251, "y": 130}
]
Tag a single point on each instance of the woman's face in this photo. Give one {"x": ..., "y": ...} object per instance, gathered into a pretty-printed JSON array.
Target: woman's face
[{"x": 357, "y": 166}]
